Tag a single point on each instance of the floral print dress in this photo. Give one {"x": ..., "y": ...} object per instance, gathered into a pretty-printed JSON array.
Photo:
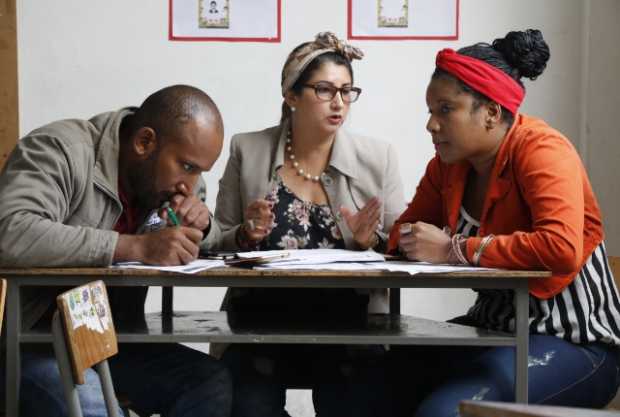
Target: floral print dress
[{"x": 300, "y": 225}]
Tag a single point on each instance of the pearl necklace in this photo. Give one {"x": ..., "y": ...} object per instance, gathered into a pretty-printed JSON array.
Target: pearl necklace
[{"x": 291, "y": 157}]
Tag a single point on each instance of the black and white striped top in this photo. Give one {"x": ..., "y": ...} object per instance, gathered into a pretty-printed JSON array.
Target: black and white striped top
[{"x": 588, "y": 310}]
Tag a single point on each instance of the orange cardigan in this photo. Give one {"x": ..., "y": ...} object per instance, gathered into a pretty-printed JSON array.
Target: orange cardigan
[{"x": 539, "y": 205}]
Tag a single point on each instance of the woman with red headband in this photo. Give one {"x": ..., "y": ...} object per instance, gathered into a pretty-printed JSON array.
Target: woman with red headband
[{"x": 505, "y": 190}]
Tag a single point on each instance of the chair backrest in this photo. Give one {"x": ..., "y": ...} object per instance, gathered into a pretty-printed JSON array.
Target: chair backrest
[
  {"x": 84, "y": 337},
  {"x": 497, "y": 409},
  {"x": 2, "y": 298},
  {"x": 88, "y": 327}
]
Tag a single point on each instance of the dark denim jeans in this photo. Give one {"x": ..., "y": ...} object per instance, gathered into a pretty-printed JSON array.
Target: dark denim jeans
[
  {"x": 431, "y": 381},
  {"x": 345, "y": 381},
  {"x": 168, "y": 379}
]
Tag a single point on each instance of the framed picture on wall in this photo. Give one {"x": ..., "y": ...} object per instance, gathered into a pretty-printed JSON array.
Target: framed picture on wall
[
  {"x": 214, "y": 14},
  {"x": 392, "y": 13},
  {"x": 225, "y": 20},
  {"x": 403, "y": 19}
]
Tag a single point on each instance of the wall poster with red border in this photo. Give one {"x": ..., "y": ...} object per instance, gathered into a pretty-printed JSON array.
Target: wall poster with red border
[
  {"x": 403, "y": 19},
  {"x": 225, "y": 20}
]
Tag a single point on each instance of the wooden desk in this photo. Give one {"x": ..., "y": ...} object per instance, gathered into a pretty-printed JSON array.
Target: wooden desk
[{"x": 214, "y": 327}]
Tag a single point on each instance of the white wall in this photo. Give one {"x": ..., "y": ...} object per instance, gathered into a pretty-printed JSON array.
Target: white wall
[
  {"x": 602, "y": 140},
  {"x": 78, "y": 58}
]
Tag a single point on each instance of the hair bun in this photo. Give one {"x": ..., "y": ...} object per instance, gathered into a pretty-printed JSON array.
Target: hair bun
[{"x": 525, "y": 51}]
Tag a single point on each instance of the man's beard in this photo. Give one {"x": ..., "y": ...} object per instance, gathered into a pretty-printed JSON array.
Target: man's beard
[{"x": 142, "y": 178}]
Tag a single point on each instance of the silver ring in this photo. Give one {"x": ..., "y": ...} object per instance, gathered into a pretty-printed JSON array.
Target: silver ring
[
  {"x": 405, "y": 229},
  {"x": 251, "y": 224}
]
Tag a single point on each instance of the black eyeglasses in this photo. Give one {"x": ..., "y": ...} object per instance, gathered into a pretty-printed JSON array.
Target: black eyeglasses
[{"x": 327, "y": 92}]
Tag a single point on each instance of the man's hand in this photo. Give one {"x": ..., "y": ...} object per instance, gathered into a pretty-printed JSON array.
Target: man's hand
[
  {"x": 169, "y": 246},
  {"x": 424, "y": 242},
  {"x": 190, "y": 210}
]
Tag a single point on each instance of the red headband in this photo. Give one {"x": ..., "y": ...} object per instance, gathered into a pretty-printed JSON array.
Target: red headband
[{"x": 482, "y": 77}]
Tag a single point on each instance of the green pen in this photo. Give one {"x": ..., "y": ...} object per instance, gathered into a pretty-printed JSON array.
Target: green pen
[{"x": 173, "y": 217}]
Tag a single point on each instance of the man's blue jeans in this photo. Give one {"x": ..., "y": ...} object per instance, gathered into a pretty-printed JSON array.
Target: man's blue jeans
[
  {"x": 431, "y": 381},
  {"x": 167, "y": 379}
]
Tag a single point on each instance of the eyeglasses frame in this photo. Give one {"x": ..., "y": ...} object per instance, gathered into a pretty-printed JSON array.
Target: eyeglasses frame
[{"x": 335, "y": 90}]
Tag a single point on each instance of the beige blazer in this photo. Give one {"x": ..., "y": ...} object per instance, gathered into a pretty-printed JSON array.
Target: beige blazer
[{"x": 359, "y": 169}]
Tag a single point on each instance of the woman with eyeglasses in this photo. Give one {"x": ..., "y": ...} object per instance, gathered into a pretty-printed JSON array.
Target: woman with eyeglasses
[
  {"x": 307, "y": 184},
  {"x": 514, "y": 194}
]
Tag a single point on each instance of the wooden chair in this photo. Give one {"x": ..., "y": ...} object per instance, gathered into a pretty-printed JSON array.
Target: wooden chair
[
  {"x": 84, "y": 337},
  {"x": 496, "y": 409},
  {"x": 2, "y": 298}
]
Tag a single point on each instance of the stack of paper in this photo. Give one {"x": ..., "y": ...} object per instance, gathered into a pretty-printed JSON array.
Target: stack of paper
[
  {"x": 422, "y": 267},
  {"x": 313, "y": 258},
  {"x": 191, "y": 268}
]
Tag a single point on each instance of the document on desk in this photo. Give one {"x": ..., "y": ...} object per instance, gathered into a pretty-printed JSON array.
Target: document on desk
[
  {"x": 424, "y": 267},
  {"x": 393, "y": 266},
  {"x": 334, "y": 266},
  {"x": 191, "y": 268},
  {"x": 300, "y": 257}
]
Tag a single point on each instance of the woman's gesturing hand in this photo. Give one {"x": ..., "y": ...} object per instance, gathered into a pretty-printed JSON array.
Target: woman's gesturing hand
[
  {"x": 259, "y": 220},
  {"x": 364, "y": 223}
]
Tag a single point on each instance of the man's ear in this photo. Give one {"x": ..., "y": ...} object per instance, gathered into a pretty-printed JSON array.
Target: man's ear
[{"x": 144, "y": 142}]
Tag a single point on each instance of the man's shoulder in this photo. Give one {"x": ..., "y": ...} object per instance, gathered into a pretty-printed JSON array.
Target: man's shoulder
[
  {"x": 69, "y": 139},
  {"x": 69, "y": 132},
  {"x": 66, "y": 130}
]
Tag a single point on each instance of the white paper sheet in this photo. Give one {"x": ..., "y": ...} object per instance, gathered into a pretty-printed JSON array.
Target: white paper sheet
[
  {"x": 300, "y": 257},
  {"x": 337, "y": 266},
  {"x": 423, "y": 267},
  {"x": 191, "y": 268},
  {"x": 394, "y": 266}
]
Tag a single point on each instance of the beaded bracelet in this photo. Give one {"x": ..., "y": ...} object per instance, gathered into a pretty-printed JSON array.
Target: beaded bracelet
[
  {"x": 374, "y": 241},
  {"x": 483, "y": 245},
  {"x": 455, "y": 251}
]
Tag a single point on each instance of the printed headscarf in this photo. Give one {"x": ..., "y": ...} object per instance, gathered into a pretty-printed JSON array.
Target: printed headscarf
[{"x": 325, "y": 42}]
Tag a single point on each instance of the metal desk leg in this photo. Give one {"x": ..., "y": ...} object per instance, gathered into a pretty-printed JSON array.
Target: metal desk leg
[
  {"x": 13, "y": 360},
  {"x": 394, "y": 300},
  {"x": 167, "y": 309},
  {"x": 167, "y": 297},
  {"x": 523, "y": 337}
]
